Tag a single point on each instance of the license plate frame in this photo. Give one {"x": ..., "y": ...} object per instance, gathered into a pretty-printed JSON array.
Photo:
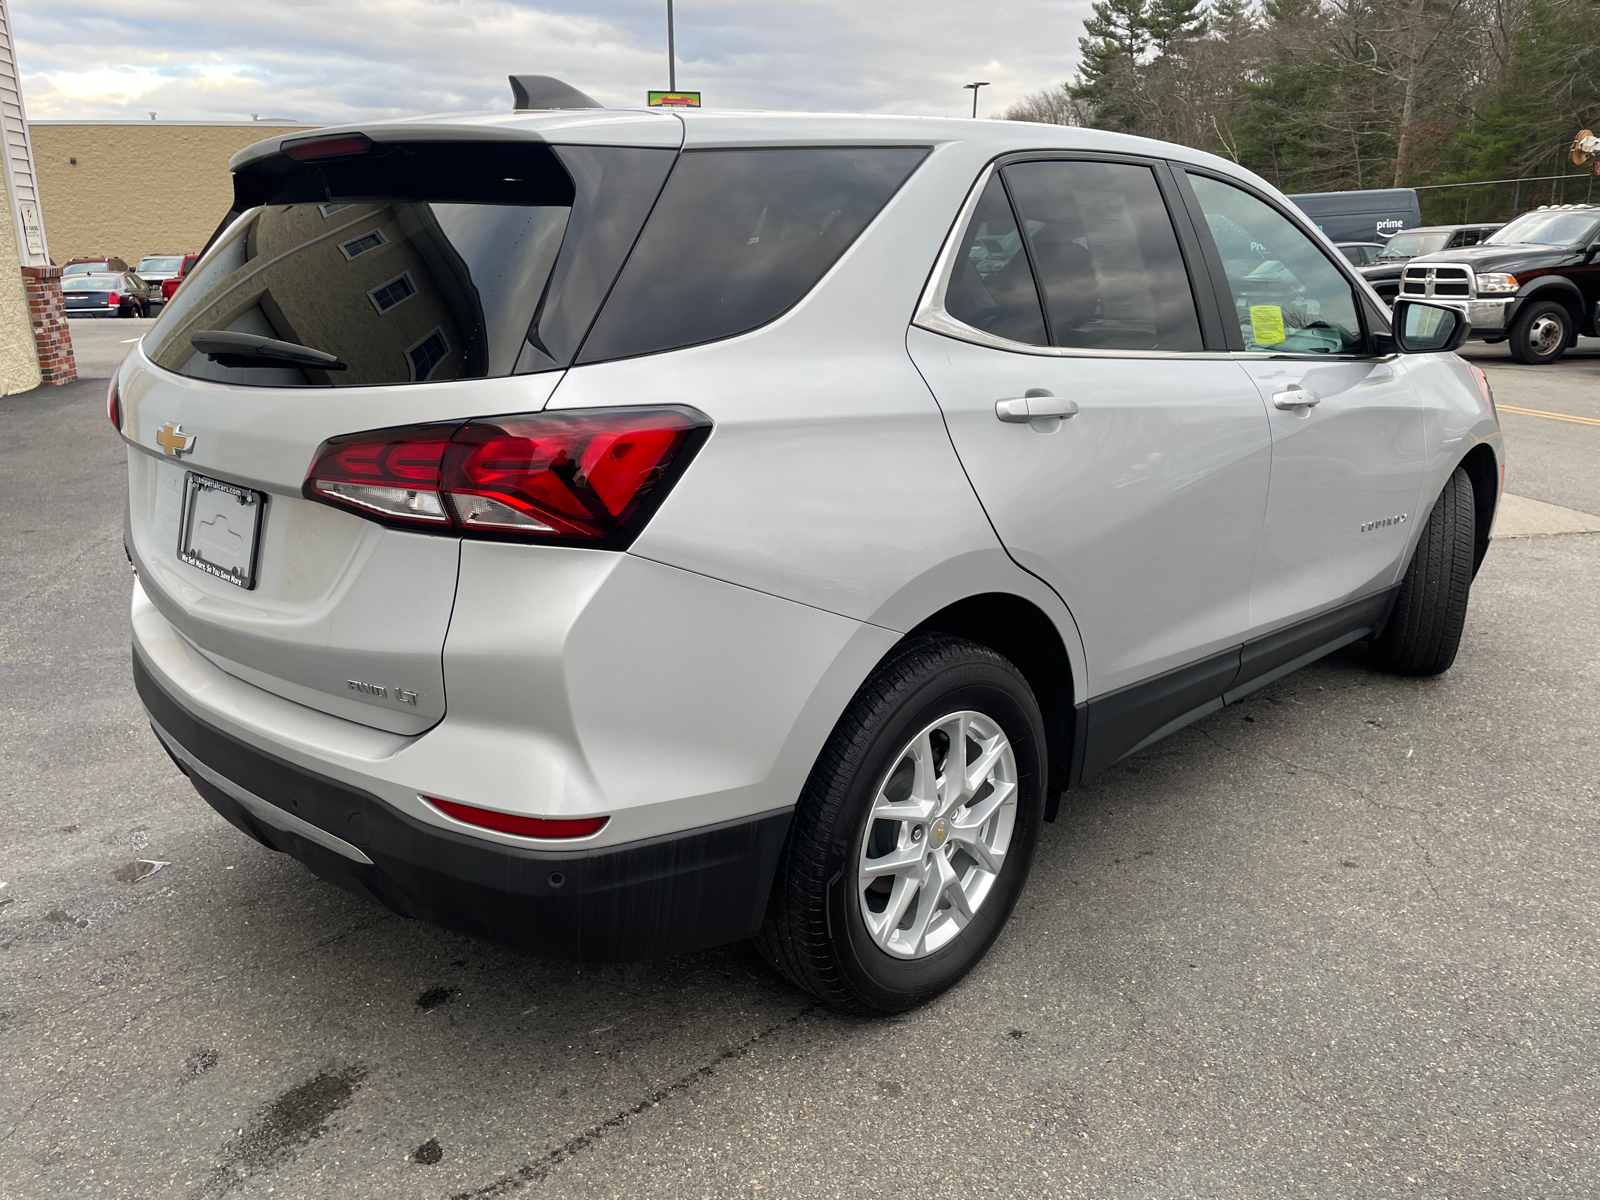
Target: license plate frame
[{"x": 202, "y": 499}]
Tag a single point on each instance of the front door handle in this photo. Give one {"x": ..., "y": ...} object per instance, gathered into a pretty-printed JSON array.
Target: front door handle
[
  {"x": 1035, "y": 403},
  {"x": 1295, "y": 397}
]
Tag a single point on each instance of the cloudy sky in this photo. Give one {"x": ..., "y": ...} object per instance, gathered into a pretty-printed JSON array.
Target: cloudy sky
[{"x": 318, "y": 61}]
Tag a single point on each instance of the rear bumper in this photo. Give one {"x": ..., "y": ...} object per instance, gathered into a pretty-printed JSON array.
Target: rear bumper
[{"x": 647, "y": 899}]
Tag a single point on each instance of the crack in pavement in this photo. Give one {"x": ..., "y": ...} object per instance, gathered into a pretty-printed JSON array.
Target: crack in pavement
[{"x": 541, "y": 1169}]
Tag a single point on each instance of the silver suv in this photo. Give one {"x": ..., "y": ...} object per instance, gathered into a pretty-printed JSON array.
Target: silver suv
[{"x": 620, "y": 533}]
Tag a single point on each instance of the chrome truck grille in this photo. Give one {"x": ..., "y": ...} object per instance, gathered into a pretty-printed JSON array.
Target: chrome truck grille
[{"x": 1437, "y": 280}]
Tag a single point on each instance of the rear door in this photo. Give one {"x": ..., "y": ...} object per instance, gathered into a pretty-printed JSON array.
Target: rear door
[
  {"x": 432, "y": 274},
  {"x": 1143, "y": 507},
  {"x": 1348, "y": 442}
]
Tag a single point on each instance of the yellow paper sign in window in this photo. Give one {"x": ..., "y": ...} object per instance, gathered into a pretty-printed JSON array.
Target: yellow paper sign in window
[{"x": 1266, "y": 324}]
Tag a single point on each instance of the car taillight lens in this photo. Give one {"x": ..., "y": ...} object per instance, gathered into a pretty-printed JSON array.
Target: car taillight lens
[
  {"x": 584, "y": 477},
  {"x": 114, "y": 298},
  {"x": 114, "y": 405},
  {"x": 537, "y": 827}
]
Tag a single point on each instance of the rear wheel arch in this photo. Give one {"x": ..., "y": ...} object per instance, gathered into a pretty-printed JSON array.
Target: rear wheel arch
[
  {"x": 1021, "y": 632},
  {"x": 1483, "y": 471}
]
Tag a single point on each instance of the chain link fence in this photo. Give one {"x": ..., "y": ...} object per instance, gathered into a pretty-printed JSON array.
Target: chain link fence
[{"x": 1502, "y": 199}]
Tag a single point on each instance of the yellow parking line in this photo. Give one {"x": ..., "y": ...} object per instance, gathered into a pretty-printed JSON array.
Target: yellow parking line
[{"x": 1539, "y": 412}]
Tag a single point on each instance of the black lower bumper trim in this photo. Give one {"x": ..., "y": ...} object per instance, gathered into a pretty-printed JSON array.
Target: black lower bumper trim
[{"x": 667, "y": 895}]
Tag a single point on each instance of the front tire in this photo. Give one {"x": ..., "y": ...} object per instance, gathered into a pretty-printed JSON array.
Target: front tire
[
  {"x": 899, "y": 873},
  {"x": 1424, "y": 628},
  {"x": 1541, "y": 333}
]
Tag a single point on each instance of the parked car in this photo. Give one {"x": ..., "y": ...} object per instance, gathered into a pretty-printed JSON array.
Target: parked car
[
  {"x": 92, "y": 266},
  {"x": 631, "y": 535},
  {"x": 1384, "y": 273},
  {"x": 1534, "y": 282},
  {"x": 156, "y": 269},
  {"x": 122, "y": 294},
  {"x": 169, "y": 286},
  {"x": 1360, "y": 253}
]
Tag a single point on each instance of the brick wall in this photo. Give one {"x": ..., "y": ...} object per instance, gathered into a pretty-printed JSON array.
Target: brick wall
[{"x": 48, "y": 314}]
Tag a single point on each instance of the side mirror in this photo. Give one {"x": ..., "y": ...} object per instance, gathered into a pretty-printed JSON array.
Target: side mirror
[{"x": 1422, "y": 328}]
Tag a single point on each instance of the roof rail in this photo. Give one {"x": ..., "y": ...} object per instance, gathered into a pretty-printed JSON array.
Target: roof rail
[{"x": 546, "y": 91}]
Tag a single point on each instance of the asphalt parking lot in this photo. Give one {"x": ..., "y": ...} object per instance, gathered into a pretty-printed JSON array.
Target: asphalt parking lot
[{"x": 1339, "y": 940}]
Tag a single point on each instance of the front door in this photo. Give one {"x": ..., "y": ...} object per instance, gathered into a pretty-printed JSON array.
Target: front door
[
  {"x": 1348, "y": 445},
  {"x": 1143, "y": 505}
]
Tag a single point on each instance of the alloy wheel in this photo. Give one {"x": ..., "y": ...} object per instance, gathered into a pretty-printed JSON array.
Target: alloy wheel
[{"x": 936, "y": 838}]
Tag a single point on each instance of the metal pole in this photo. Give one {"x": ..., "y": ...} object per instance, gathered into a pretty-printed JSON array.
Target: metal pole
[
  {"x": 672, "y": 54},
  {"x": 975, "y": 87}
]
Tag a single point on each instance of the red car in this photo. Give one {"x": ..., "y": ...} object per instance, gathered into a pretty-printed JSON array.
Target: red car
[{"x": 170, "y": 283}]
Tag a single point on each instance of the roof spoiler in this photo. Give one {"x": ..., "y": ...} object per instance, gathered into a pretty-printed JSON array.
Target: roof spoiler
[{"x": 546, "y": 91}]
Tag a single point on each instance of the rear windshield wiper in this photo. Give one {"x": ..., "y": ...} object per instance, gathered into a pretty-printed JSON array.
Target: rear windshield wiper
[{"x": 252, "y": 350}]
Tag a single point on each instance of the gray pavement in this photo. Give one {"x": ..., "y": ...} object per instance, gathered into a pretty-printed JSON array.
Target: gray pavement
[{"x": 1336, "y": 941}]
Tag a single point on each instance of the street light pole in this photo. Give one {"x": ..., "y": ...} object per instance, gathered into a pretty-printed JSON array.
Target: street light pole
[
  {"x": 672, "y": 54},
  {"x": 965, "y": 86}
]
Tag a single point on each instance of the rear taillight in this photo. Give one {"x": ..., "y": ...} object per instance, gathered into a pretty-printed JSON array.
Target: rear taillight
[
  {"x": 113, "y": 299},
  {"x": 585, "y": 477},
  {"x": 537, "y": 827},
  {"x": 114, "y": 405}
]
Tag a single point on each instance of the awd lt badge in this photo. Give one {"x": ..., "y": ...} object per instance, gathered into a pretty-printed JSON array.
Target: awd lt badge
[{"x": 171, "y": 438}]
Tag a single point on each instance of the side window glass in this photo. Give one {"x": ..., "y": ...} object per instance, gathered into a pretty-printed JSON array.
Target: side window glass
[
  {"x": 992, "y": 288},
  {"x": 1107, "y": 256},
  {"x": 1289, "y": 299},
  {"x": 739, "y": 237}
]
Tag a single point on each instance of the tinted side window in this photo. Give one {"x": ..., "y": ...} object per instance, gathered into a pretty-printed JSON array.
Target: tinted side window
[
  {"x": 738, "y": 237},
  {"x": 992, "y": 287},
  {"x": 1288, "y": 298},
  {"x": 1106, "y": 256},
  {"x": 615, "y": 186}
]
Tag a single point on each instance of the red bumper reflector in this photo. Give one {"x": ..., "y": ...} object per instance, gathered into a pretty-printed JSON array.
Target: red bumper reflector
[
  {"x": 114, "y": 405},
  {"x": 539, "y": 827}
]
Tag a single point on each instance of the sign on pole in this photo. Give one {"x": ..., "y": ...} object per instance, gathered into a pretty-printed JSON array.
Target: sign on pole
[{"x": 674, "y": 99}]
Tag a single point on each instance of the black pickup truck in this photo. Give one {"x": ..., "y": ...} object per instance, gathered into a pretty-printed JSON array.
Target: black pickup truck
[{"x": 1534, "y": 283}]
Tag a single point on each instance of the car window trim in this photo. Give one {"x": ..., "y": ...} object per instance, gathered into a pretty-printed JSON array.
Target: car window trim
[
  {"x": 932, "y": 316},
  {"x": 1372, "y": 343}
]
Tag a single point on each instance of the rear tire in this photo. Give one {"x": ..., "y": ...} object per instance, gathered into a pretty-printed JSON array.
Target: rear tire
[
  {"x": 1541, "y": 333},
  {"x": 866, "y": 939},
  {"x": 1424, "y": 629}
]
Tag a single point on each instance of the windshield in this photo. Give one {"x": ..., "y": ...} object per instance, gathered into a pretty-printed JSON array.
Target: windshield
[
  {"x": 1546, "y": 229},
  {"x": 1409, "y": 245},
  {"x": 158, "y": 262}
]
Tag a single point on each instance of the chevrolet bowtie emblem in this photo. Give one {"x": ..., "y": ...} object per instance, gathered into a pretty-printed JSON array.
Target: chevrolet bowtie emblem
[{"x": 171, "y": 438}]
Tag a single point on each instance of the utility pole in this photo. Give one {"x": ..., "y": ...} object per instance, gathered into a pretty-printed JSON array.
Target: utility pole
[
  {"x": 964, "y": 86},
  {"x": 672, "y": 54}
]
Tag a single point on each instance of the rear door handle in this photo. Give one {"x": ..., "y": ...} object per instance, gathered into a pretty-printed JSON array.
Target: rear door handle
[
  {"x": 1036, "y": 402},
  {"x": 1295, "y": 397}
]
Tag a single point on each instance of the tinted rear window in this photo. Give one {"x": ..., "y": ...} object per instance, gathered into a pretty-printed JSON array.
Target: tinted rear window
[
  {"x": 738, "y": 237},
  {"x": 417, "y": 263}
]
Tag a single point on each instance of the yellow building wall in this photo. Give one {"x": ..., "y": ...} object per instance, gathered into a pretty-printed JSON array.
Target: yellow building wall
[
  {"x": 136, "y": 188},
  {"x": 19, "y": 360}
]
